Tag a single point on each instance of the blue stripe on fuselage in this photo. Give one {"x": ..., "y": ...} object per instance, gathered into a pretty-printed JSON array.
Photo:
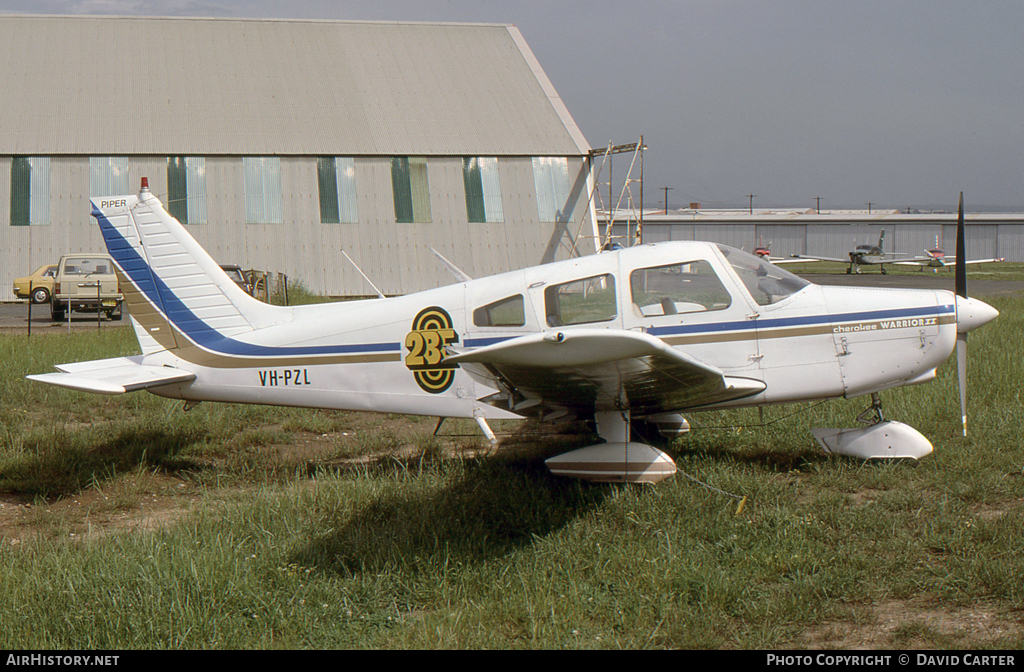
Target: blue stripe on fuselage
[
  {"x": 765, "y": 324},
  {"x": 804, "y": 321},
  {"x": 164, "y": 298}
]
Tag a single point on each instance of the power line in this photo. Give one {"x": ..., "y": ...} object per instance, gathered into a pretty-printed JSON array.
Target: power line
[{"x": 666, "y": 190}]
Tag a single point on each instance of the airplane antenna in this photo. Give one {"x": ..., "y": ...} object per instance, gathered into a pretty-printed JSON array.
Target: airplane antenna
[
  {"x": 354, "y": 264},
  {"x": 459, "y": 274}
]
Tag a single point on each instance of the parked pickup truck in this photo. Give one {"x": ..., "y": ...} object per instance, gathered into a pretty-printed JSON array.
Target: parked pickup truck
[{"x": 86, "y": 282}]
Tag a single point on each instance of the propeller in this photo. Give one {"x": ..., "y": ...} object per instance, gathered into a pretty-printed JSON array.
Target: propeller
[
  {"x": 970, "y": 313},
  {"x": 961, "y": 290}
]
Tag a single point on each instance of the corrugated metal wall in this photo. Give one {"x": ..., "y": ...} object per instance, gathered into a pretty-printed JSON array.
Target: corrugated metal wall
[{"x": 396, "y": 257}]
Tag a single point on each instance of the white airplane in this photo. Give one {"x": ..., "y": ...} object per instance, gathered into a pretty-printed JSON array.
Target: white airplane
[
  {"x": 937, "y": 258},
  {"x": 639, "y": 334}
]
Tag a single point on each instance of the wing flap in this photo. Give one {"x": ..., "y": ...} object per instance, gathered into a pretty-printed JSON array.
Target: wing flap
[
  {"x": 594, "y": 369},
  {"x": 113, "y": 376}
]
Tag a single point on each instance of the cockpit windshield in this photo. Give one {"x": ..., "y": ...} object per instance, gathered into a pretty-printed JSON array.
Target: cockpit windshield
[{"x": 765, "y": 281}]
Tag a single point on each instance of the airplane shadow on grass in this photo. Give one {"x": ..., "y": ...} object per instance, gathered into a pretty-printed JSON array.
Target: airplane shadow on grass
[
  {"x": 491, "y": 506},
  {"x": 63, "y": 464}
]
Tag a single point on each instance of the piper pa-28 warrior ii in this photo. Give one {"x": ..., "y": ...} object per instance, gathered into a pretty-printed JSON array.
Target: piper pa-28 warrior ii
[{"x": 639, "y": 334}]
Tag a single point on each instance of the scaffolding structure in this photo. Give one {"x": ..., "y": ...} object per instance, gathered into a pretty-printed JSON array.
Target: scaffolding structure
[{"x": 628, "y": 209}]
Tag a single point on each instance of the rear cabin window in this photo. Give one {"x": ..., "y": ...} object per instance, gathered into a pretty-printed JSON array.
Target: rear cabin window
[
  {"x": 508, "y": 312},
  {"x": 688, "y": 287},
  {"x": 87, "y": 265},
  {"x": 581, "y": 301}
]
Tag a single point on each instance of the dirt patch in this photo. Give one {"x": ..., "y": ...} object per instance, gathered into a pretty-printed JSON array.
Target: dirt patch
[
  {"x": 147, "y": 499},
  {"x": 918, "y": 623}
]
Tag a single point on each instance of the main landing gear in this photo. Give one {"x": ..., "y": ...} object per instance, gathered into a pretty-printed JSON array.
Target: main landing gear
[{"x": 617, "y": 461}]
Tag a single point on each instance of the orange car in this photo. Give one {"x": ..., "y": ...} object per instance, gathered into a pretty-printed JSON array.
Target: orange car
[{"x": 41, "y": 281}]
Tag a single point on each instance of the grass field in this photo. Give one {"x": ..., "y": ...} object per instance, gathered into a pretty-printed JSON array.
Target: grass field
[{"x": 127, "y": 523}]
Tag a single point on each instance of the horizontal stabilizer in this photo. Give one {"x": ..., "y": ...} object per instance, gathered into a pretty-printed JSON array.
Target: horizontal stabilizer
[{"x": 113, "y": 376}]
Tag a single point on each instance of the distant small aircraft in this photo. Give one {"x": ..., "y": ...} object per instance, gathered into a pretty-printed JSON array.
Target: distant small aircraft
[
  {"x": 641, "y": 334},
  {"x": 865, "y": 255},
  {"x": 936, "y": 258},
  {"x": 765, "y": 252}
]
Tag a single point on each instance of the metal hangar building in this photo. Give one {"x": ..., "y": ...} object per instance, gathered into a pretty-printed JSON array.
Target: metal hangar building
[{"x": 283, "y": 143}]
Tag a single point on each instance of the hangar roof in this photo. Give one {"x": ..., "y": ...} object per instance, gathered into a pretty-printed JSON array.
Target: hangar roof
[{"x": 102, "y": 85}]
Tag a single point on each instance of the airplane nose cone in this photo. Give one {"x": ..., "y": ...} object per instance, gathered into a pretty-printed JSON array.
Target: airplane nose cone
[{"x": 972, "y": 313}]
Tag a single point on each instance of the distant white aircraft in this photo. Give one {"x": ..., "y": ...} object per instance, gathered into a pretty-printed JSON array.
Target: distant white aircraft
[
  {"x": 639, "y": 334},
  {"x": 937, "y": 258}
]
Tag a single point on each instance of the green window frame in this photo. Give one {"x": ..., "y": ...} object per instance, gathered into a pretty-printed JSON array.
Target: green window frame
[
  {"x": 411, "y": 189},
  {"x": 483, "y": 189},
  {"x": 186, "y": 189},
  {"x": 336, "y": 180},
  {"x": 30, "y": 190}
]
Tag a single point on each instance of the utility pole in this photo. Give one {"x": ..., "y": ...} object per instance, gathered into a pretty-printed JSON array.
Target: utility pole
[
  {"x": 869, "y": 207},
  {"x": 666, "y": 190},
  {"x": 817, "y": 200},
  {"x": 751, "y": 197}
]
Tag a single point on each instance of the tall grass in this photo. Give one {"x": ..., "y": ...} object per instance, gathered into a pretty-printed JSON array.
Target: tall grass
[{"x": 491, "y": 551}]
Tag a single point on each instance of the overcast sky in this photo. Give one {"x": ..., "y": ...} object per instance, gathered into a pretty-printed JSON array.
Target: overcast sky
[{"x": 901, "y": 104}]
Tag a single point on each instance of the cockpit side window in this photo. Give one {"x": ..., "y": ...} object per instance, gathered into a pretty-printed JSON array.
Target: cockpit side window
[
  {"x": 581, "y": 301},
  {"x": 507, "y": 312},
  {"x": 766, "y": 282},
  {"x": 687, "y": 287}
]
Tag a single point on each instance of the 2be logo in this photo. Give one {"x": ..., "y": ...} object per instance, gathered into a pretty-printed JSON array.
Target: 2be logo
[{"x": 432, "y": 329}]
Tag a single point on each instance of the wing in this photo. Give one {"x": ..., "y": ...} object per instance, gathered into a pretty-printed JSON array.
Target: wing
[
  {"x": 945, "y": 261},
  {"x": 806, "y": 257},
  {"x": 789, "y": 260},
  {"x": 588, "y": 370},
  {"x": 113, "y": 376}
]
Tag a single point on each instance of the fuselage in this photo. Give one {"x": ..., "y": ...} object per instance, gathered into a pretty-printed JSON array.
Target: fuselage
[{"x": 721, "y": 306}]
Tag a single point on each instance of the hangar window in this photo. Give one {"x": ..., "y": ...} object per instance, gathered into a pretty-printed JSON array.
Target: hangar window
[
  {"x": 336, "y": 177},
  {"x": 581, "y": 301},
  {"x": 108, "y": 176},
  {"x": 186, "y": 189},
  {"x": 262, "y": 178},
  {"x": 677, "y": 288},
  {"x": 551, "y": 178},
  {"x": 507, "y": 312},
  {"x": 30, "y": 190},
  {"x": 411, "y": 190},
  {"x": 483, "y": 189}
]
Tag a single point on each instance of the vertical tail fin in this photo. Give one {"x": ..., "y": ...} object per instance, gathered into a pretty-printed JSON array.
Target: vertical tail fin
[{"x": 173, "y": 288}]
